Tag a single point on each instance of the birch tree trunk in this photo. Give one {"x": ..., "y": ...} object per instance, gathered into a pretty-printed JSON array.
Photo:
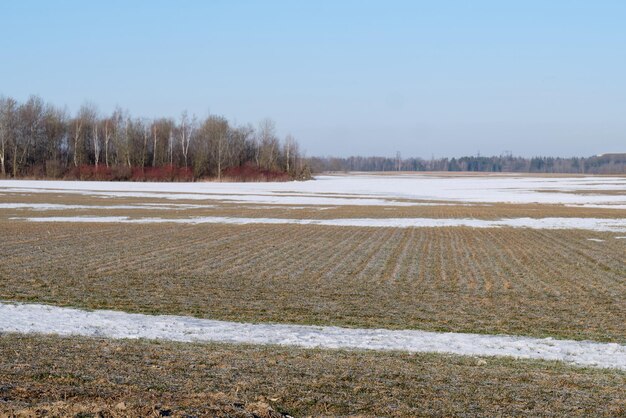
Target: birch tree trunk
[
  {"x": 96, "y": 145},
  {"x": 106, "y": 142},
  {"x": 154, "y": 145},
  {"x": 77, "y": 129}
]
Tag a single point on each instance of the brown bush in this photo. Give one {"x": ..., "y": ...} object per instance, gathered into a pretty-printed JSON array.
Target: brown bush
[
  {"x": 252, "y": 173},
  {"x": 126, "y": 173}
]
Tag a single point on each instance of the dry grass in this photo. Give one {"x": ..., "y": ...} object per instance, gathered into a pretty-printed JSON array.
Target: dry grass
[
  {"x": 530, "y": 282},
  {"x": 46, "y": 376}
]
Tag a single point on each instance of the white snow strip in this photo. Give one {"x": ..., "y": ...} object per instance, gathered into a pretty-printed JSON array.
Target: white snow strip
[
  {"x": 595, "y": 239},
  {"x": 43, "y": 319},
  {"x": 236, "y": 198},
  {"x": 620, "y": 237},
  {"x": 591, "y": 224},
  {"x": 359, "y": 189},
  {"x": 594, "y": 206},
  {"x": 79, "y": 219},
  {"x": 55, "y": 206}
]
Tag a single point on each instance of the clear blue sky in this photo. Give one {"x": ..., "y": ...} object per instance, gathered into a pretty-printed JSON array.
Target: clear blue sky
[{"x": 443, "y": 78}]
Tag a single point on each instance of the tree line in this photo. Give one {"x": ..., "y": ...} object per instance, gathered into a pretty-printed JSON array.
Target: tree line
[
  {"x": 599, "y": 164},
  {"x": 41, "y": 140}
]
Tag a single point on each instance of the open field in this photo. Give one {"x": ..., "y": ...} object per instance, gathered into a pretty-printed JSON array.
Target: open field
[
  {"x": 14, "y": 204},
  {"x": 529, "y": 282},
  {"x": 312, "y": 209},
  {"x": 564, "y": 278},
  {"x": 72, "y": 375}
]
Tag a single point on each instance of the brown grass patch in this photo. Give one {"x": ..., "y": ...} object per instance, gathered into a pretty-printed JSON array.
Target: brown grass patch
[
  {"x": 139, "y": 378},
  {"x": 530, "y": 282}
]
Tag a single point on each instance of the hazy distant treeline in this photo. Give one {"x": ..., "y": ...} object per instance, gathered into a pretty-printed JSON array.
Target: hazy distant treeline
[
  {"x": 602, "y": 164},
  {"x": 39, "y": 140}
]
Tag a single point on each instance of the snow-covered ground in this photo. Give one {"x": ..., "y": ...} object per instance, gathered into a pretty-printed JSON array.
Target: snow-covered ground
[
  {"x": 593, "y": 206},
  {"x": 60, "y": 206},
  {"x": 358, "y": 189},
  {"x": 591, "y": 224},
  {"x": 33, "y": 318}
]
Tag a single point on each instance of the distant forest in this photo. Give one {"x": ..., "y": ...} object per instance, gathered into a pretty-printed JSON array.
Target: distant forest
[
  {"x": 40, "y": 140},
  {"x": 600, "y": 164}
]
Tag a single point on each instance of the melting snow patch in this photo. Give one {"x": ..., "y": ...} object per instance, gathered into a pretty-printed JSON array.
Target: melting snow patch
[
  {"x": 33, "y": 318},
  {"x": 591, "y": 224},
  {"x": 589, "y": 205},
  {"x": 54, "y": 206},
  {"x": 595, "y": 239},
  {"x": 358, "y": 189}
]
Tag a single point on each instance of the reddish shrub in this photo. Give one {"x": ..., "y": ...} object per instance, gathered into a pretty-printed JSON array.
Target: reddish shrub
[
  {"x": 125, "y": 173},
  {"x": 89, "y": 172},
  {"x": 244, "y": 173},
  {"x": 137, "y": 174},
  {"x": 250, "y": 172}
]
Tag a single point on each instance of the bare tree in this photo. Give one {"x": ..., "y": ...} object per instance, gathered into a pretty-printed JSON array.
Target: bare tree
[
  {"x": 8, "y": 108},
  {"x": 30, "y": 131},
  {"x": 154, "y": 143},
  {"x": 108, "y": 134},
  {"x": 144, "y": 150},
  {"x": 268, "y": 144},
  {"x": 51, "y": 151},
  {"x": 125, "y": 136},
  {"x": 186, "y": 132},
  {"x": 120, "y": 136},
  {"x": 171, "y": 146},
  {"x": 219, "y": 144},
  {"x": 76, "y": 135},
  {"x": 96, "y": 144},
  {"x": 87, "y": 115},
  {"x": 160, "y": 130},
  {"x": 242, "y": 145},
  {"x": 291, "y": 152}
]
